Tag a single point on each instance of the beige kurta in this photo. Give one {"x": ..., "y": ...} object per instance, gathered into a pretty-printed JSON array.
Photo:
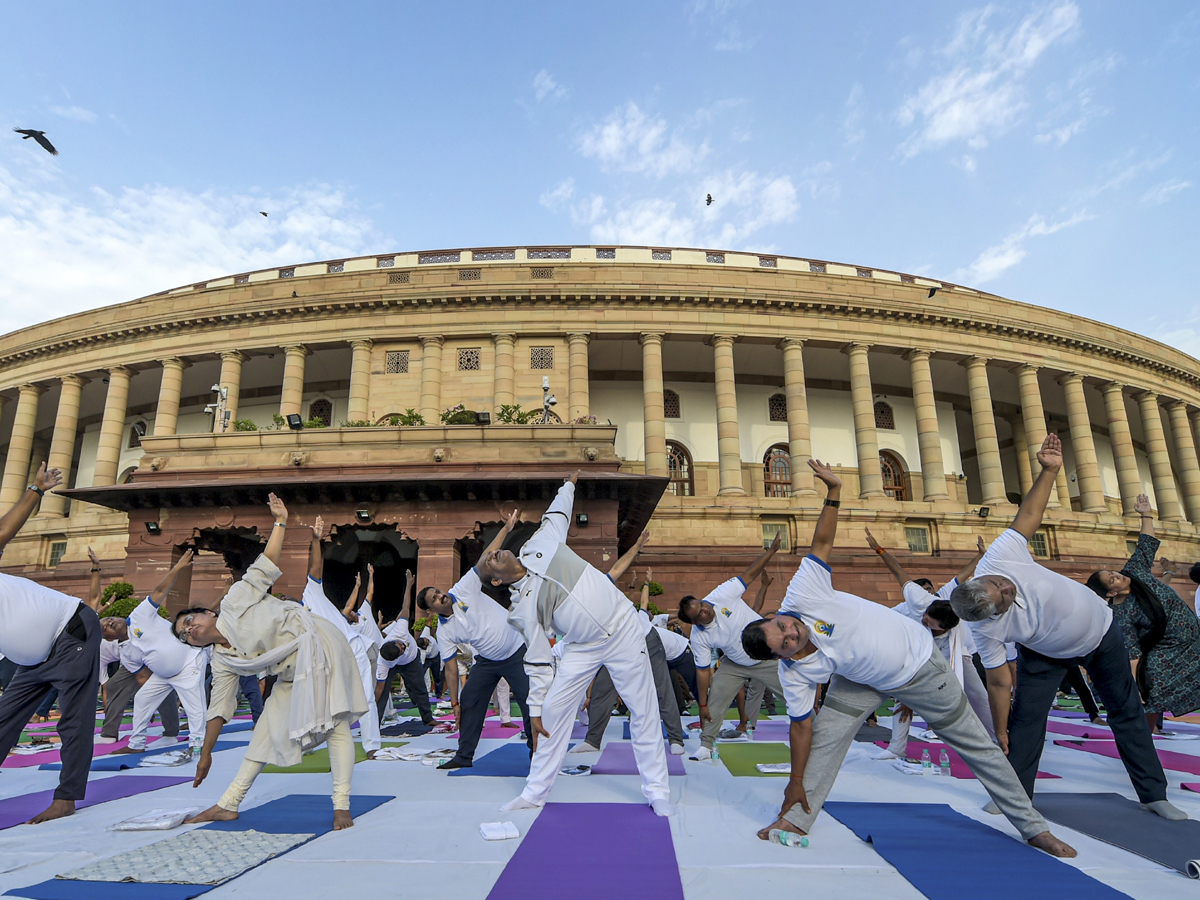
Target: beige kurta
[{"x": 254, "y": 622}]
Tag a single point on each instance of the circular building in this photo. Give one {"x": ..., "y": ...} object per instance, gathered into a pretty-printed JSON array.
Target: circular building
[{"x": 406, "y": 399}]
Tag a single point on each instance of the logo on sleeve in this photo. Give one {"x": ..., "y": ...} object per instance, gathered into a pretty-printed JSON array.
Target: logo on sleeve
[
  {"x": 825, "y": 628},
  {"x": 726, "y": 612},
  {"x": 137, "y": 632},
  {"x": 462, "y": 606}
]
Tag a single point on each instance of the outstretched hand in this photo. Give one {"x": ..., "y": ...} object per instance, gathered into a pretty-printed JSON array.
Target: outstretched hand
[
  {"x": 278, "y": 509},
  {"x": 186, "y": 559},
  {"x": 1142, "y": 505},
  {"x": 511, "y": 522},
  {"x": 318, "y": 528},
  {"x": 45, "y": 479},
  {"x": 574, "y": 479},
  {"x": 980, "y": 545},
  {"x": 1051, "y": 456},
  {"x": 94, "y": 558},
  {"x": 824, "y": 473},
  {"x": 643, "y": 539},
  {"x": 202, "y": 767},
  {"x": 871, "y": 542}
]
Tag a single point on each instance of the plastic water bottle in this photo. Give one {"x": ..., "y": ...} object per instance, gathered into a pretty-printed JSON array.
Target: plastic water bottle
[
  {"x": 944, "y": 763},
  {"x": 787, "y": 838},
  {"x": 716, "y": 754},
  {"x": 926, "y": 762}
]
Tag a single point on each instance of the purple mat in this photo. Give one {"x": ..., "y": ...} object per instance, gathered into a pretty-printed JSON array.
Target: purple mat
[
  {"x": 1095, "y": 732},
  {"x": 1179, "y": 762},
  {"x": 568, "y": 839},
  {"x": 775, "y": 730},
  {"x": 493, "y": 730},
  {"x": 579, "y": 731},
  {"x": 618, "y": 759},
  {"x": 54, "y": 756},
  {"x": 16, "y": 810},
  {"x": 958, "y": 765}
]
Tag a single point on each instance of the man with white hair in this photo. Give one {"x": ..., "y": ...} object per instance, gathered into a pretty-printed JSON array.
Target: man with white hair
[{"x": 1056, "y": 623}]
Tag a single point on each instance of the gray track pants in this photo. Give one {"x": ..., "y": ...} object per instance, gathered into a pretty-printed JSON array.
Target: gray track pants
[
  {"x": 604, "y": 695},
  {"x": 727, "y": 681}
]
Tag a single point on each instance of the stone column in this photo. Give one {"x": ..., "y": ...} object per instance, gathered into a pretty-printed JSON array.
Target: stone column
[
  {"x": 1034, "y": 416},
  {"x": 20, "y": 445},
  {"x": 291, "y": 398},
  {"x": 799, "y": 435},
  {"x": 359, "y": 407},
  {"x": 231, "y": 382},
  {"x": 1185, "y": 452},
  {"x": 1129, "y": 479},
  {"x": 1165, "y": 494},
  {"x": 929, "y": 434},
  {"x": 166, "y": 411},
  {"x": 1087, "y": 469},
  {"x": 62, "y": 444},
  {"x": 652, "y": 404},
  {"x": 504, "y": 393},
  {"x": 112, "y": 426},
  {"x": 729, "y": 445},
  {"x": 431, "y": 378},
  {"x": 578, "y": 400},
  {"x": 870, "y": 479},
  {"x": 983, "y": 421},
  {"x": 1021, "y": 452}
]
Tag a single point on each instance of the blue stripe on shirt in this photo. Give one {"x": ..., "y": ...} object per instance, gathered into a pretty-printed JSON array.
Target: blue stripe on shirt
[{"x": 820, "y": 562}]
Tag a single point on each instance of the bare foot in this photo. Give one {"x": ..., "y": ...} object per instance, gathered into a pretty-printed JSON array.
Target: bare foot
[
  {"x": 1096, "y": 720},
  {"x": 129, "y": 750},
  {"x": 342, "y": 820},
  {"x": 56, "y": 810},
  {"x": 784, "y": 825},
  {"x": 510, "y": 724},
  {"x": 213, "y": 814},
  {"x": 1052, "y": 845},
  {"x": 371, "y": 754}
]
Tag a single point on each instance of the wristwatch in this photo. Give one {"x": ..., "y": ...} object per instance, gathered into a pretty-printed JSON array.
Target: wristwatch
[{"x": 34, "y": 487}]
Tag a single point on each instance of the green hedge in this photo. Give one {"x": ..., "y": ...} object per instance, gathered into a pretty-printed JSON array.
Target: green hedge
[{"x": 124, "y": 606}]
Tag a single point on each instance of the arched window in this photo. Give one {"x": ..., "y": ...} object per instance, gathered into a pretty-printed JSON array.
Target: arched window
[
  {"x": 670, "y": 404},
  {"x": 679, "y": 467},
  {"x": 893, "y": 476},
  {"x": 136, "y": 433},
  {"x": 777, "y": 472},
  {"x": 884, "y": 417},
  {"x": 777, "y": 408},
  {"x": 321, "y": 409}
]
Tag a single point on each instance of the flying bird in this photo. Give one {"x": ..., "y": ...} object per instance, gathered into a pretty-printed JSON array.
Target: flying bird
[
  {"x": 261, "y": 213},
  {"x": 39, "y": 136},
  {"x": 932, "y": 291},
  {"x": 708, "y": 200}
]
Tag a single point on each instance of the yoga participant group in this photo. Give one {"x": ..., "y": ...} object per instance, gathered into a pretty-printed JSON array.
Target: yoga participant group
[{"x": 981, "y": 660}]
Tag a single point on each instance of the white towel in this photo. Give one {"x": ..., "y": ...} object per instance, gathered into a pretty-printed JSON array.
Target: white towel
[
  {"x": 156, "y": 820},
  {"x": 774, "y": 768},
  {"x": 180, "y": 757},
  {"x": 498, "y": 831}
]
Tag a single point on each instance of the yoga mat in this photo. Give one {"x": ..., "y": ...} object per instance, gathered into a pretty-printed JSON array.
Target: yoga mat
[
  {"x": 298, "y": 813},
  {"x": 777, "y": 730},
  {"x": 870, "y": 733},
  {"x": 407, "y": 729},
  {"x": 1069, "y": 714},
  {"x": 1123, "y": 823},
  {"x": 16, "y": 810},
  {"x": 317, "y": 761},
  {"x": 1094, "y": 732},
  {"x": 1191, "y": 786},
  {"x": 1179, "y": 762},
  {"x": 958, "y": 766},
  {"x": 576, "y": 844},
  {"x": 617, "y": 759},
  {"x": 58, "y": 889},
  {"x": 627, "y": 735},
  {"x": 740, "y": 759},
  {"x": 53, "y": 756},
  {"x": 494, "y": 731},
  {"x": 131, "y": 760},
  {"x": 987, "y": 864},
  {"x": 508, "y": 761},
  {"x": 578, "y": 731}
]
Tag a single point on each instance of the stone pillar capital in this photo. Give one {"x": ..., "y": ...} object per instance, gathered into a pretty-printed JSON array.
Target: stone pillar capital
[
  {"x": 296, "y": 350},
  {"x": 1146, "y": 397},
  {"x": 233, "y": 356},
  {"x": 75, "y": 380},
  {"x": 974, "y": 362},
  {"x": 856, "y": 347},
  {"x": 916, "y": 355},
  {"x": 1174, "y": 405},
  {"x": 650, "y": 338},
  {"x": 718, "y": 340},
  {"x": 1070, "y": 378},
  {"x": 30, "y": 389},
  {"x": 1194, "y": 413},
  {"x": 791, "y": 343},
  {"x": 174, "y": 362},
  {"x": 362, "y": 344},
  {"x": 1025, "y": 369},
  {"x": 502, "y": 337},
  {"x": 431, "y": 340},
  {"x": 579, "y": 337},
  {"x": 1111, "y": 387}
]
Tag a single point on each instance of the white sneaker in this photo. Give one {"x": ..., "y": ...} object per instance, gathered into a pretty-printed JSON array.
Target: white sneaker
[
  {"x": 106, "y": 740},
  {"x": 164, "y": 742},
  {"x": 662, "y": 807},
  {"x": 585, "y": 747},
  {"x": 677, "y": 749},
  {"x": 703, "y": 753}
]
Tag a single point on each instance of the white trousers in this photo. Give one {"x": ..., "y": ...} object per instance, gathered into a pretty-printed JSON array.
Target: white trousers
[
  {"x": 502, "y": 697},
  {"x": 625, "y": 657},
  {"x": 341, "y": 765},
  {"x": 368, "y": 725},
  {"x": 189, "y": 685}
]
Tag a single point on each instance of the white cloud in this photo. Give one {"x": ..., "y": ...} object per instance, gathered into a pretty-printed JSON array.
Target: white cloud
[
  {"x": 75, "y": 113},
  {"x": 559, "y": 195},
  {"x": 853, "y": 131},
  {"x": 1161, "y": 193},
  {"x": 983, "y": 94},
  {"x": 631, "y": 141},
  {"x": 999, "y": 258},
  {"x": 1061, "y": 135},
  {"x": 74, "y": 253},
  {"x": 545, "y": 86}
]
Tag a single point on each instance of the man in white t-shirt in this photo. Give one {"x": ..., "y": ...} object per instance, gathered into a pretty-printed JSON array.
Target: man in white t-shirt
[
  {"x": 1056, "y": 623},
  {"x": 172, "y": 664},
  {"x": 867, "y": 653},
  {"x": 55, "y": 641},
  {"x": 717, "y": 621},
  {"x": 399, "y": 656}
]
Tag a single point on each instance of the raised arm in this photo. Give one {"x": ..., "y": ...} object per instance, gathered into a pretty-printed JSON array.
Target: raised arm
[
  {"x": 502, "y": 535},
  {"x": 1142, "y": 506},
  {"x": 755, "y": 568},
  {"x": 95, "y": 593},
  {"x": 888, "y": 560},
  {"x": 1033, "y": 507},
  {"x": 626, "y": 561},
  {"x": 410, "y": 579},
  {"x": 556, "y": 520},
  {"x": 967, "y": 572},
  {"x": 826, "y": 530},
  {"x": 13, "y": 520},
  {"x": 316, "y": 559},
  {"x": 275, "y": 542},
  {"x": 761, "y": 596},
  {"x": 352, "y": 602},
  {"x": 644, "y": 601},
  {"x": 158, "y": 596}
]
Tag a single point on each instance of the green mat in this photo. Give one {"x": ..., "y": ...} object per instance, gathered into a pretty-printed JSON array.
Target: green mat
[
  {"x": 740, "y": 759},
  {"x": 318, "y": 760}
]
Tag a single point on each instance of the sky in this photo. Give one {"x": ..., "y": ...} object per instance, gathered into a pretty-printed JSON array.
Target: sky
[{"x": 1046, "y": 152}]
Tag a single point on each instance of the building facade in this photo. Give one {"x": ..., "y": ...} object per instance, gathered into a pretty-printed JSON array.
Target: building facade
[{"x": 691, "y": 384}]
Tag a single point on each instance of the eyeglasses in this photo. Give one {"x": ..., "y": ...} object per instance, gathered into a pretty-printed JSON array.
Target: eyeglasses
[{"x": 184, "y": 626}]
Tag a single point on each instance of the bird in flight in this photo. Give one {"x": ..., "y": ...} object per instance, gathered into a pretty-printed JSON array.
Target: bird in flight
[
  {"x": 261, "y": 213},
  {"x": 932, "y": 291},
  {"x": 708, "y": 200},
  {"x": 39, "y": 136}
]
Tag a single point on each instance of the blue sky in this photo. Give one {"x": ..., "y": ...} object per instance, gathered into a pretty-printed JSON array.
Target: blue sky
[{"x": 1043, "y": 151}]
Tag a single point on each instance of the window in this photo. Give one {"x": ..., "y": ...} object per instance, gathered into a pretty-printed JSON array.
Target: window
[
  {"x": 58, "y": 550},
  {"x": 399, "y": 278},
  {"x": 777, "y": 472},
  {"x": 670, "y": 404},
  {"x": 770, "y": 529},
  {"x": 679, "y": 467},
  {"x": 917, "y": 537},
  {"x": 893, "y": 476},
  {"x": 321, "y": 409},
  {"x": 661, "y": 255},
  {"x": 884, "y": 417},
  {"x": 777, "y": 408},
  {"x": 396, "y": 362},
  {"x": 1131, "y": 547},
  {"x": 541, "y": 357},
  {"x": 1039, "y": 545},
  {"x": 468, "y": 360},
  {"x": 609, "y": 253},
  {"x": 136, "y": 433}
]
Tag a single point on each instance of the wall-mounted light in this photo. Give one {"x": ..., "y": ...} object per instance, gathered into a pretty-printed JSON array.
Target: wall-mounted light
[
  {"x": 983, "y": 512},
  {"x": 581, "y": 520},
  {"x": 363, "y": 515},
  {"x": 294, "y": 421},
  {"x": 153, "y": 528},
  {"x": 483, "y": 418}
]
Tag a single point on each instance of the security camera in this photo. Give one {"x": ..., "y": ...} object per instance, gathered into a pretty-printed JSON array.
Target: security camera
[
  {"x": 216, "y": 389},
  {"x": 552, "y": 400},
  {"x": 545, "y": 382}
]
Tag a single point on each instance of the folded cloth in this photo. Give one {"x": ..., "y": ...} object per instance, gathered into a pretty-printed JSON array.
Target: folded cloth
[
  {"x": 732, "y": 734},
  {"x": 404, "y": 755},
  {"x": 156, "y": 820},
  {"x": 498, "y": 831},
  {"x": 31, "y": 749},
  {"x": 774, "y": 768},
  {"x": 179, "y": 757},
  {"x": 910, "y": 768}
]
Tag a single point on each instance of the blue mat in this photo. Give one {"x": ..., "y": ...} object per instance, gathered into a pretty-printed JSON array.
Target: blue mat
[
  {"x": 237, "y": 726},
  {"x": 59, "y": 889},
  {"x": 119, "y": 761},
  {"x": 987, "y": 864},
  {"x": 297, "y": 814},
  {"x": 509, "y": 761},
  {"x": 627, "y": 735}
]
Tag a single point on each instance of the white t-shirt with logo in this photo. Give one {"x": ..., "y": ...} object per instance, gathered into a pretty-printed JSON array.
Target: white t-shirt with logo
[
  {"x": 724, "y": 632},
  {"x": 1053, "y": 615},
  {"x": 154, "y": 645},
  {"x": 862, "y": 641},
  {"x": 397, "y": 631},
  {"x": 32, "y": 617},
  {"x": 478, "y": 620}
]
